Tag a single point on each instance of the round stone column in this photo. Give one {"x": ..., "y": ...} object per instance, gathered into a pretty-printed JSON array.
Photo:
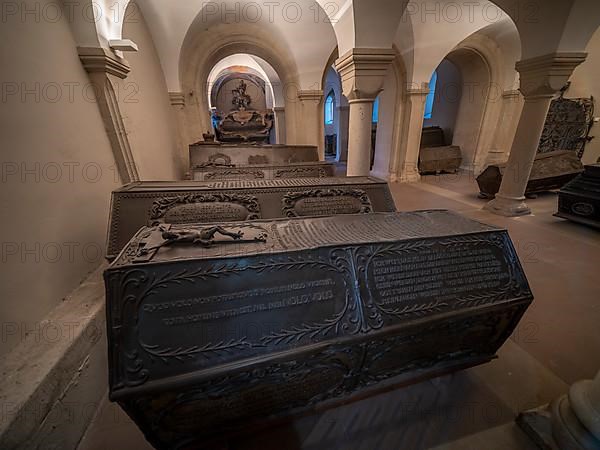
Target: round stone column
[
  {"x": 362, "y": 71},
  {"x": 571, "y": 422},
  {"x": 359, "y": 137}
]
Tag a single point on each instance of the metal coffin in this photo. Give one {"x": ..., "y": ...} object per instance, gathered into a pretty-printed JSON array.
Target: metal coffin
[
  {"x": 141, "y": 203},
  {"x": 550, "y": 171},
  {"x": 439, "y": 159},
  {"x": 579, "y": 200},
  {"x": 259, "y": 321},
  {"x": 264, "y": 172},
  {"x": 214, "y": 154}
]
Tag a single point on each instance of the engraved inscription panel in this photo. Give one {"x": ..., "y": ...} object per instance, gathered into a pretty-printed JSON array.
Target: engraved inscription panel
[
  {"x": 322, "y": 206},
  {"x": 300, "y": 172},
  {"x": 427, "y": 276},
  {"x": 326, "y": 202},
  {"x": 221, "y": 312},
  {"x": 206, "y": 212},
  {"x": 234, "y": 174}
]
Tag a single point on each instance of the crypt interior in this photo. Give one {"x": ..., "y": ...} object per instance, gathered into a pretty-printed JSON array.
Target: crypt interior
[{"x": 461, "y": 133}]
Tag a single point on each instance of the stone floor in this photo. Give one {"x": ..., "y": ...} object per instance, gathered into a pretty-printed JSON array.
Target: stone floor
[{"x": 556, "y": 343}]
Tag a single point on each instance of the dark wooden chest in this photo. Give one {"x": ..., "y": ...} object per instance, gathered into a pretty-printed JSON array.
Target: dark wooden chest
[{"x": 216, "y": 329}]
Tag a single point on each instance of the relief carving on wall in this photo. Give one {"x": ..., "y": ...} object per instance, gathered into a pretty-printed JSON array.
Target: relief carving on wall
[{"x": 568, "y": 124}]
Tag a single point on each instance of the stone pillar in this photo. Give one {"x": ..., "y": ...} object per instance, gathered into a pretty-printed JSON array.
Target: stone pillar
[
  {"x": 105, "y": 69},
  {"x": 571, "y": 422},
  {"x": 541, "y": 78},
  {"x": 410, "y": 142},
  {"x": 362, "y": 71},
  {"x": 177, "y": 100},
  {"x": 342, "y": 132},
  {"x": 309, "y": 119},
  {"x": 504, "y": 134},
  {"x": 279, "y": 113}
]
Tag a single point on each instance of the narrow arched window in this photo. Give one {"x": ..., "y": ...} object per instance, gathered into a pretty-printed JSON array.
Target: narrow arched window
[
  {"x": 375, "y": 117},
  {"x": 431, "y": 96},
  {"x": 329, "y": 102}
]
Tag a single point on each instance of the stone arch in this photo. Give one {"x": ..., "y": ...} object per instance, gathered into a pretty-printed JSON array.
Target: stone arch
[
  {"x": 198, "y": 59},
  {"x": 390, "y": 127}
]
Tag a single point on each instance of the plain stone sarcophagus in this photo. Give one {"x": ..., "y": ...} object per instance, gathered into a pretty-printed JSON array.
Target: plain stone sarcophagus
[
  {"x": 318, "y": 169},
  {"x": 550, "y": 170},
  {"x": 144, "y": 202},
  {"x": 216, "y": 328},
  {"x": 214, "y": 154},
  {"x": 579, "y": 199},
  {"x": 434, "y": 155},
  {"x": 439, "y": 159}
]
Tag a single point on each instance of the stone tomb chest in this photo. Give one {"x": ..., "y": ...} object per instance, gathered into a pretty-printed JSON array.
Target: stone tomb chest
[
  {"x": 212, "y": 329},
  {"x": 214, "y": 154},
  {"x": 142, "y": 203},
  {"x": 318, "y": 169},
  {"x": 549, "y": 171},
  {"x": 579, "y": 199}
]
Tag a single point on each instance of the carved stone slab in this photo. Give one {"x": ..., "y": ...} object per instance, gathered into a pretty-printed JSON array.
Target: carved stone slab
[
  {"x": 550, "y": 170},
  {"x": 213, "y": 328},
  {"x": 579, "y": 200},
  {"x": 138, "y": 204},
  {"x": 263, "y": 172},
  {"x": 213, "y": 153}
]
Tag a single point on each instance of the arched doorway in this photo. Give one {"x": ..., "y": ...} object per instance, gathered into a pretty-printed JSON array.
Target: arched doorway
[
  {"x": 244, "y": 100},
  {"x": 335, "y": 115}
]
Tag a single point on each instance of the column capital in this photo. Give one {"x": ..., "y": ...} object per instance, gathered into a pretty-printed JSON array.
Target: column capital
[
  {"x": 98, "y": 59},
  {"x": 177, "y": 98},
  {"x": 314, "y": 95},
  {"x": 363, "y": 70},
  {"x": 544, "y": 76}
]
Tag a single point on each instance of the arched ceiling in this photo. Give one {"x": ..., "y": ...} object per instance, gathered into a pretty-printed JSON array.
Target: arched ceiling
[
  {"x": 430, "y": 29},
  {"x": 255, "y": 65},
  {"x": 306, "y": 31}
]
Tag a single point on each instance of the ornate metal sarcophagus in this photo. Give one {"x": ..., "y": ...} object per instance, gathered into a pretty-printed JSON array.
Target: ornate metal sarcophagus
[
  {"x": 550, "y": 170},
  {"x": 319, "y": 169},
  {"x": 579, "y": 199},
  {"x": 446, "y": 158},
  {"x": 215, "y": 328},
  {"x": 214, "y": 154},
  {"x": 142, "y": 203}
]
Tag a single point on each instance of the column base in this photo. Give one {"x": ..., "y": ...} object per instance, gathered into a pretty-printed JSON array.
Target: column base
[
  {"x": 556, "y": 427},
  {"x": 409, "y": 176},
  {"x": 508, "y": 206}
]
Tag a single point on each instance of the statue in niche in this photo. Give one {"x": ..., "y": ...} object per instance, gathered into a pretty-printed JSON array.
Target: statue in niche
[{"x": 241, "y": 100}]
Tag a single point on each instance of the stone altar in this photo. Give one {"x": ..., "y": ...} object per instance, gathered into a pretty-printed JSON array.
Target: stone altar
[
  {"x": 579, "y": 199},
  {"x": 214, "y": 154},
  {"x": 215, "y": 328},
  {"x": 550, "y": 170},
  {"x": 141, "y": 203}
]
